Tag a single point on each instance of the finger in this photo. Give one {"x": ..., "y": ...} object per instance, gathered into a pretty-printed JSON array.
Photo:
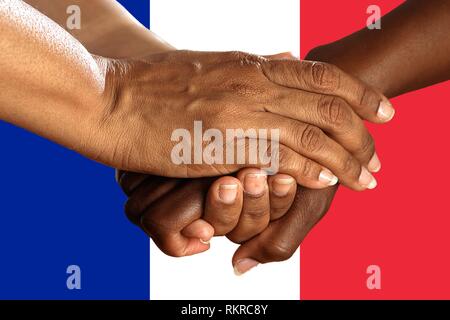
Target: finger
[
  {"x": 128, "y": 181},
  {"x": 255, "y": 215},
  {"x": 199, "y": 229},
  {"x": 334, "y": 116},
  {"x": 165, "y": 219},
  {"x": 223, "y": 204},
  {"x": 282, "y": 189},
  {"x": 272, "y": 157},
  {"x": 325, "y": 78},
  {"x": 283, "y": 236},
  {"x": 145, "y": 194},
  {"x": 312, "y": 143},
  {"x": 283, "y": 159}
]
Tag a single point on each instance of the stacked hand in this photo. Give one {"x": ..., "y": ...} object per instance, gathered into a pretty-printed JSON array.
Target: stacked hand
[
  {"x": 316, "y": 107},
  {"x": 268, "y": 215},
  {"x": 182, "y": 215},
  {"x": 124, "y": 112}
]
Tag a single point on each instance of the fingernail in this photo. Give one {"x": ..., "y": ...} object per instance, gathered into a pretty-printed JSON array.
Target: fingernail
[
  {"x": 367, "y": 180},
  {"x": 244, "y": 265},
  {"x": 228, "y": 193},
  {"x": 385, "y": 111},
  {"x": 374, "y": 164},
  {"x": 254, "y": 183},
  {"x": 281, "y": 186},
  {"x": 327, "y": 177},
  {"x": 205, "y": 241}
]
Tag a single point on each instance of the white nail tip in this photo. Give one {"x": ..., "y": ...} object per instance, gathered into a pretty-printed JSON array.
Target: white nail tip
[
  {"x": 236, "y": 272},
  {"x": 228, "y": 186},
  {"x": 328, "y": 178},
  {"x": 372, "y": 184},
  {"x": 385, "y": 111},
  {"x": 284, "y": 181}
]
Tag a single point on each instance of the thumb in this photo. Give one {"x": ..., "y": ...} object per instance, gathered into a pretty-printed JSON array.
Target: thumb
[
  {"x": 199, "y": 229},
  {"x": 277, "y": 243}
]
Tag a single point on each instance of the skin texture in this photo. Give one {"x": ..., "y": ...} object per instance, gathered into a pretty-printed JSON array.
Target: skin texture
[
  {"x": 115, "y": 111},
  {"x": 99, "y": 35},
  {"x": 410, "y": 52},
  {"x": 281, "y": 239},
  {"x": 137, "y": 42},
  {"x": 239, "y": 90},
  {"x": 104, "y": 25},
  {"x": 418, "y": 22}
]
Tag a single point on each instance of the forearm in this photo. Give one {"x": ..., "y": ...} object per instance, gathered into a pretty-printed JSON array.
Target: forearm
[
  {"x": 107, "y": 29},
  {"x": 49, "y": 82},
  {"x": 411, "y": 51}
]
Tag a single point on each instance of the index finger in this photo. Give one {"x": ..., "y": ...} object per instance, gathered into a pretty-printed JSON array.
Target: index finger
[{"x": 324, "y": 78}]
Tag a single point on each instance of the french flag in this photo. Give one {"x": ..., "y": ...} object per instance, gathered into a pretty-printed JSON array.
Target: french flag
[
  {"x": 397, "y": 233},
  {"x": 256, "y": 26},
  {"x": 62, "y": 212}
]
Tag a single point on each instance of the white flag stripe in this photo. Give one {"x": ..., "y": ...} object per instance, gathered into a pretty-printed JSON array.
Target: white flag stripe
[{"x": 257, "y": 26}]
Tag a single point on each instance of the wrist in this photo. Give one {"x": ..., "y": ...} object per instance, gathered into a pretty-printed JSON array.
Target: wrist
[
  {"x": 367, "y": 70},
  {"x": 112, "y": 124}
]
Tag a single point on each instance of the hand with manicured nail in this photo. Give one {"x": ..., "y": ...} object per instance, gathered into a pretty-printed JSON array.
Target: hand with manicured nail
[
  {"x": 132, "y": 113},
  {"x": 316, "y": 107},
  {"x": 182, "y": 215},
  {"x": 241, "y": 207},
  {"x": 269, "y": 216},
  {"x": 161, "y": 208}
]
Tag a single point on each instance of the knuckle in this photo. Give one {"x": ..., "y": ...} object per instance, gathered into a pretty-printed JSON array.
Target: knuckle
[
  {"x": 333, "y": 111},
  {"x": 278, "y": 250},
  {"x": 277, "y": 212},
  {"x": 362, "y": 95},
  {"x": 368, "y": 145},
  {"x": 306, "y": 169},
  {"x": 311, "y": 139},
  {"x": 349, "y": 166},
  {"x": 245, "y": 58},
  {"x": 324, "y": 76},
  {"x": 223, "y": 222},
  {"x": 256, "y": 213},
  {"x": 236, "y": 54},
  {"x": 366, "y": 98},
  {"x": 251, "y": 59},
  {"x": 286, "y": 160},
  {"x": 235, "y": 238}
]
